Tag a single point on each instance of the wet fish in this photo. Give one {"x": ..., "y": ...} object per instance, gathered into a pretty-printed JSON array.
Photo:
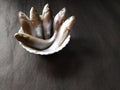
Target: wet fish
[
  {"x": 25, "y": 23},
  {"x": 34, "y": 42},
  {"x": 59, "y": 19},
  {"x": 36, "y": 22},
  {"x": 47, "y": 22}
]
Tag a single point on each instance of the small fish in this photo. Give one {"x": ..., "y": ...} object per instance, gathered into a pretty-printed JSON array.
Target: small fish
[
  {"x": 25, "y": 23},
  {"x": 65, "y": 29},
  {"x": 34, "y": 42},
  {"x": 47, "y": 22},
  {"x": 59, "y": 19},
  {"x": 36, "y": 22}
]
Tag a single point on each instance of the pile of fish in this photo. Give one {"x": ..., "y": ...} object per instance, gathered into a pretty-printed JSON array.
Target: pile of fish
[{"x": 44, "y": 31}]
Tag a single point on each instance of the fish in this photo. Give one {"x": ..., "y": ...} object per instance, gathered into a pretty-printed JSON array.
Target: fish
[
  {"x": 25, "y": 23},
  {"x": 36, "y": 22},
  {"x": 34, "y": 42},
  {"x": 59, "y": 19},
  {"x": 47, "y": 22}
]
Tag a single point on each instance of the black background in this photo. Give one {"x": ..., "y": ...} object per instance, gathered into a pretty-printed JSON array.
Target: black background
[{"x": 91, "y": 61}]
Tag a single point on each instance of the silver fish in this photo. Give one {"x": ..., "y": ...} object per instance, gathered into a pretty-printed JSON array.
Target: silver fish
[
  {"x": 59, "y": 19},
  {"x": 34, "y": 42},
  {"x": 36, "y": 22},
  {"x": 47, "y": 22},
  {"x": 25, "y": 23}
]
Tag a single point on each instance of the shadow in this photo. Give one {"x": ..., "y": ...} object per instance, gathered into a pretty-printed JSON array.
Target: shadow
[
  {"x": 71, "y": 59},
  {"x": 63, "y": 64}
]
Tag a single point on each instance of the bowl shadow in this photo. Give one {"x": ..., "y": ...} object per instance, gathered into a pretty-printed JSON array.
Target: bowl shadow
[{"x": 72, "y": 58}]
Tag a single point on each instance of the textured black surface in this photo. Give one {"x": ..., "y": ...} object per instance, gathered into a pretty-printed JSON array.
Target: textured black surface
[{"x": 91, "y": 61}]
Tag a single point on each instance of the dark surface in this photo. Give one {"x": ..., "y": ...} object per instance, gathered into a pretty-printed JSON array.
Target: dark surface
[{"x": 91, "y": 61}]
